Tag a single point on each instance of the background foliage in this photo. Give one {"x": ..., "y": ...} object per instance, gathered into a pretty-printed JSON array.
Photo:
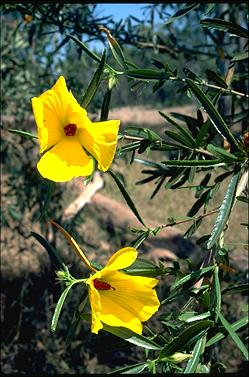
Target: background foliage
[{"x": 197, "y": 56}]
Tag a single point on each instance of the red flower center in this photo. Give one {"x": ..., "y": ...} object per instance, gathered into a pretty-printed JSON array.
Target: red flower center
[
  {"x": 70, "y": 129},
  {"x": 102, "y": 285}
]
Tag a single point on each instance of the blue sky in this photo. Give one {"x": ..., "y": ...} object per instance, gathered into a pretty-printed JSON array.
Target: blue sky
[{"x": 121, "y": 10}]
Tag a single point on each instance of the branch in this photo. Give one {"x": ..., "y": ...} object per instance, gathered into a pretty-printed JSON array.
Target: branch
[
  {"x": 199, "y": 150},
  {"x": 223, "y": 90},
  {"x": 192, "y": 219}
]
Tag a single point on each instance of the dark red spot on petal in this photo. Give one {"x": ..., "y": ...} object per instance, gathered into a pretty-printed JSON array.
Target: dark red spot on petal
[
  {"x": 102, "y": 285},
  {"x": 70, "y": 129}
]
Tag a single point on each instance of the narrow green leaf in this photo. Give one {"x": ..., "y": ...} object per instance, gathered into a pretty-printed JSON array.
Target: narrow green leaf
[
  {"x": 215, "y": 297},
  {"x": 243, "y": 199},
  {"x": 126, "y": 196},
  {"x": 193, "y": 318},
  {"x": 231, "y": 27},
  {"x": 116, "y": 51},
  {"x": 197, "y": 351},
  {"x": 143, "y": 267},
  {"x": 213, "y": 76},
  {"x": 55, "y": 258},
  {"x": 105, "y": 105},
  {"x": 225, "y": 209},
  {"x": 241, "y": 56},
  {"x": 147, "y": 74},
  {"x": 214, "y": 115},
  {"x": 178, "y": 138},
  {"x": 209, "y": 8},
  {"x": 129, "y": 147},
  {"x": 131, "y": 337},
  {"x": 89, "y": 52},
  {"x": 198, "y": 163},
  {"x": 234, "y": 336},
  {"x": 236, "y": 289},
  {"x": 151, "y": 164},
  {"x": 22, "y": 133},
  {"x": 235, "y": 326},
  {"x": 194, "y": 275},
  {"x": 94, "y": 84},
  {"x": 179, "y": 343},
  {"x": 135, "y": 368},
  {"x": 221, "y": 153},
  {"x": 146, "y": 133},
  {"x": 182, "y": 12},
  {"x": 59, "y": 307}
]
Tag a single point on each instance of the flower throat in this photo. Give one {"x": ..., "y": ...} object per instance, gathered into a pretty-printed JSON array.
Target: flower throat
[{"x": 70, "y": 129}]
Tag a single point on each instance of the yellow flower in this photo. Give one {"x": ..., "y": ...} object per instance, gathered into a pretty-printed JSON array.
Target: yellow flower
[
  {"x": 68, "y": 139},
  {"x": 118, "y": 299}
]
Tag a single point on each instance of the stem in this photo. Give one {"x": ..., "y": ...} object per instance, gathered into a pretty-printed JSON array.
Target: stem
[
  {"x": 200, "y": 150},
  {"x": 192, "y": 219},
  {"x": 223, "y": 90}
]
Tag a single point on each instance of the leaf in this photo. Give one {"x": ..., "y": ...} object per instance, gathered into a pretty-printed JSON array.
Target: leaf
[
  {"x": 126, "y": 196},
  {"x": 231, "y": 27},
  {"x": 240, "y": 56},
  {"x": 182, "y": 12},
  {"x": 236, "y": 289},
  {"x": 89, "y": 52},
  {"x": 22, "y": 133},
  {"x": 186, "y": 337},
  {"x": 94, "y": 84},
  {"x": 215, "y": 297},
  {"x": 197, "y": 351},
  {"x": 189, "y": 317},
  {"x": 115, "y": 49},
  {"x": 213, "y": 76},
  {"x": 132, "y": 337},
  {"x": 135, "y": 368},
  {"x": 145, "y": 133},
  {"x": 59, "y": 307},
  {"x": 105, "y": 105},
  {"x": 235, "y": 326},
  {"x": 184, "y": 133},
  {"x": 199, "y": 203},
  {"x": 198, "y": 163},
  {"x": 225, "y": 209},
  {"x": 147, "y": 74},
  {"x": 234, "y": 336},
  {"x": 214, "y": 115},
  {"x": 209, "y": 8},
  {"x": 194, "y": 275},
  {"x": 221, "y": 153},
  {"x": 55, "y": 258},
  {"x": 143, "y": 267}
]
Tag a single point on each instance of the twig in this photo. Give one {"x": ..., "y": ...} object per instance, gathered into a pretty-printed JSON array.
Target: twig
[
  {"x": 192, "y": 218},
  {"x": 223, "y": 90},
  {"x": 200, "y": 150}
]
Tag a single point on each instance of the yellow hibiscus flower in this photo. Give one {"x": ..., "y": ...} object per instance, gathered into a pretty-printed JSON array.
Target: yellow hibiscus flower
[
  {"x": 116, "y": 298},
  {"x": 68, "y": 139}
]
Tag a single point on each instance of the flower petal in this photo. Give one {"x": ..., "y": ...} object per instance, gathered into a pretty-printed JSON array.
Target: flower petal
[
  {"x": 121, "y": 259},
  {"x": 134, "y": 293},
  {"x": 131, "y": 300},
  {"x": 48, "y": 124},
  {"x": 95, "y": 309},
  {"x": 100, "y": 140},
  {"x": 66, "y": 160}
]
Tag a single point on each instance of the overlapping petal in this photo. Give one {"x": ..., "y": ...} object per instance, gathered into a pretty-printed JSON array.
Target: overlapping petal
[
  {"x": 121, "y": 259},
  {"x": 100, "y": 140},
  {"x": 66, "y": 160}
]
